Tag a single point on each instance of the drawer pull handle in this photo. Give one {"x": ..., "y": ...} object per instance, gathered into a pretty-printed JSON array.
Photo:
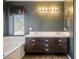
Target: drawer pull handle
[
  {"x": 33, "y": 40},
  {"x": 46, "y": 45},
  {"x": 47, "y": 50},
  {"x": 33, "y": 44},
  {"x": 47, "y": 40},
  {"x": 60, "y": 40}
]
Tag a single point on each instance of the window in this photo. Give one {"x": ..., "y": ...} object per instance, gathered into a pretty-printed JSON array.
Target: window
[
  {"x": 19, "y": 25},
  {"x": 16, "y": 20},
  {"x": 16, "y": 25}
]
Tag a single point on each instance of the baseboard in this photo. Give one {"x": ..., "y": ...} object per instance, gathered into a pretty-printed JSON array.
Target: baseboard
[{"x": 69, "y": 57}]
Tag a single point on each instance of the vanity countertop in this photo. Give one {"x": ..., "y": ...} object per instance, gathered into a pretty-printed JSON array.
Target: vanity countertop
[
  {"x": 11, "y": 43},
  {"x": 49, "y": 34}
]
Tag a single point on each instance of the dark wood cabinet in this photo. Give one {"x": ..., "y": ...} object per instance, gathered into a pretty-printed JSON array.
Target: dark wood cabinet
[
  {"x": 34, "y": 47},
  {"x": 47, "y": 45}
]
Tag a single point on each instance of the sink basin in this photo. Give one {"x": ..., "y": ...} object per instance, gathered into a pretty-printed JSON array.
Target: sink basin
[{"x": 48, "y": 34}]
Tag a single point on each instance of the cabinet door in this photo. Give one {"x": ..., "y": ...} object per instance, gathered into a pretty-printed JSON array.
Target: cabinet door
[
  {"x": 33, "y": 47},
  {"x": 59, "y": 47}
]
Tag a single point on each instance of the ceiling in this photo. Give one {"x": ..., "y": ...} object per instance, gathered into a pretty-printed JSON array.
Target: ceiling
[{"x": 34, "y": 0}]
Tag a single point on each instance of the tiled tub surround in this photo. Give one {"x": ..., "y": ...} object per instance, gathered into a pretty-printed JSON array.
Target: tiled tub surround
[{"x": 11, "y": 43}]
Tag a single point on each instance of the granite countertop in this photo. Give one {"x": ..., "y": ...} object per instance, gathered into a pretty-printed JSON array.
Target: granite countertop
[
  {"x": 11, "y": 43},
  {"x": 49, "y": 34}
]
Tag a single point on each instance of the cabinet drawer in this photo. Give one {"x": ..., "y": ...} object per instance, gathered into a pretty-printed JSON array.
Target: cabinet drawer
[
  {"x": 47, "y": 45},
  {"x": 47, "y": 50},
  {"x": 34, "y": 47},
  {"x": 60, "y": 40},
  {"x": 35, "y": 40}
]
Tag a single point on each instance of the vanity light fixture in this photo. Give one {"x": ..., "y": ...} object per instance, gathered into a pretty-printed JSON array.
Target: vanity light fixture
[{"x": 48, "y": 10}]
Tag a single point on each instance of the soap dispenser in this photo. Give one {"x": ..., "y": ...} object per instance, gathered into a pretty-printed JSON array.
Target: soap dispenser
[{"x": 30, "y": 29}]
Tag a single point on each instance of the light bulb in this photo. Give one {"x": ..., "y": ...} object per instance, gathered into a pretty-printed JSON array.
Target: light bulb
[
  {"x": 55, "y": 9},
  {"x": 49, "y": 8},
  {"x": 43, "y": 9},
  {"x": 52, "y": 9},
  {"x": 46, "y": 9},
  {"x": 39, "y": 8}
]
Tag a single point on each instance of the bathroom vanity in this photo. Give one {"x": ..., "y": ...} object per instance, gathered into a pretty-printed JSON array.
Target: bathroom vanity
[{"x": 47, "y": 43}]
